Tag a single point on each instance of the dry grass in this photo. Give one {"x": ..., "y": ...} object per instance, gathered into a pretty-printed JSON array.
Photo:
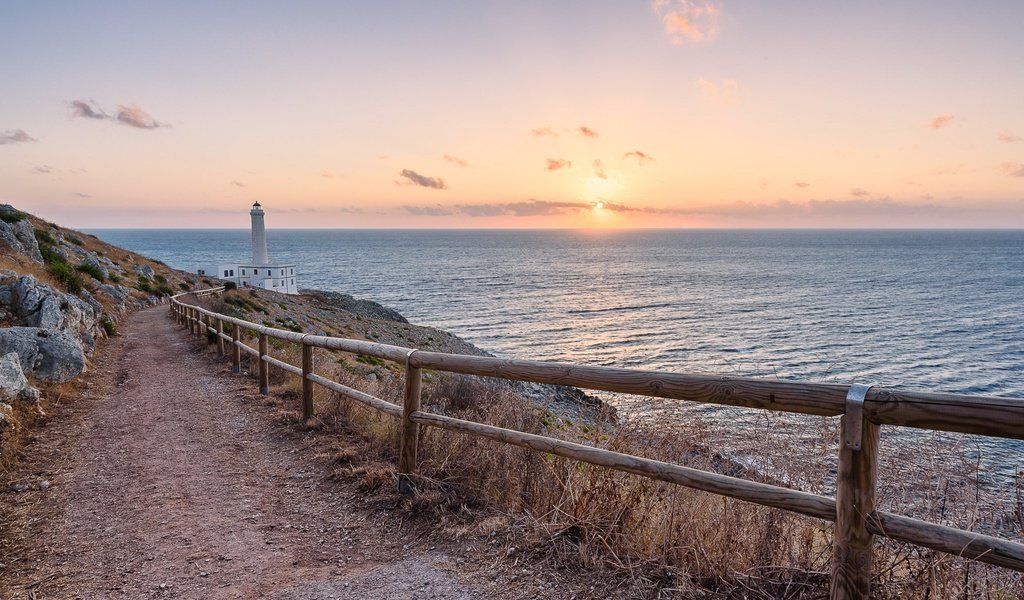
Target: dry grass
[{"x": 641, "y": 537}]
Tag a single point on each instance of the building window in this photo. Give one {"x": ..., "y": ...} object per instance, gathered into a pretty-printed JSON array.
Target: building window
[
  {"x": 243, "y": 271},
  {"x": 225, "y": 272},
  {"x": 293, "y": 282},
  {"x": 292, "y": 273}
]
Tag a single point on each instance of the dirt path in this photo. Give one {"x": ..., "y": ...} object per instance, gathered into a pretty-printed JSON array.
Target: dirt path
[{"x": 166, "y": 482}]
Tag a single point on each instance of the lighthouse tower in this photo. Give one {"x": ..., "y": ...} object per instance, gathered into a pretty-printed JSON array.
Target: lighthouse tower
[
  {"x": 259, "y": 236},
  {"x": 260, "y": 272}
]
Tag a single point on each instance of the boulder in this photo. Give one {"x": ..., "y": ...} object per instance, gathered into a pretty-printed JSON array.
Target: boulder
[
  {"x": 27, "y": 236},
  {"x": 94, "y": 261},
  {"x": 117, "y": 292},
  {"x": 13, "y": 383},
  {"x": 39, "y": 305},
  {"x": 50, "y": 355},
  {"x": 145, "y": 271}
]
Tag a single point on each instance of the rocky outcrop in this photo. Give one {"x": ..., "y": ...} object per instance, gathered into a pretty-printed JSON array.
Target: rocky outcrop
[
  {"x": 49, "y": 355},
  {"x": 145, "y": 271},
  {"x": 36, "y": 304},
  {"x": 364, "y": 308},
  {"x": 13, "y": 383},
  {"x": 19, "y": 238}
]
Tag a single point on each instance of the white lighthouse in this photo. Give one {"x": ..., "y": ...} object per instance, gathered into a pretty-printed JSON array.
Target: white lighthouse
[
  {"x": 259, "y": 236},
  {"x": 260, "y": 273}
]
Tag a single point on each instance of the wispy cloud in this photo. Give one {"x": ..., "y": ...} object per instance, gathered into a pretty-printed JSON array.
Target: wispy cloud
[
  {"x": 801, "y": 184},
  {"x": 1009, "y": 139},
  {"x": 13, "y": 136},
  {"x": 725, "y": 93},
  {"x": 940, "y": 121},
  {"x": 599, "y": 170},
  {"x": 42, "y": 169},
  {"x": 82, "y": 195},
  {"x": 130, "y": 115},
  {"x": 431, "y": 211},
  {"x": 327, "y": 174},
  {"x": 1012, "y": 169},
  {"x": 133, "y": 116},
  {"x": 526, "y": 208},
  {"x": 642, "y": 158},
  {"x": 582, "y": 131},
  {"x": 456, "y": 160},
  {"x": 555, "y": 164},
  {"x": 238, "y": 184},
  {"x": 422, "y": 180},
  {"x": 688, "y": 21},
  {"x": 87, "y": 110},
  {"x": 859, "y": 192}
]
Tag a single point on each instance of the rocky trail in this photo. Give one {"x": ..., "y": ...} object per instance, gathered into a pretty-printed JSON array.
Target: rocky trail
[{"x": 167, "y": 479}]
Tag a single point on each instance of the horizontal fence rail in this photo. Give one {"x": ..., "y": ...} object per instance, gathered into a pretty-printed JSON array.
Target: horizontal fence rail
[{"x": 863, "y": 411}]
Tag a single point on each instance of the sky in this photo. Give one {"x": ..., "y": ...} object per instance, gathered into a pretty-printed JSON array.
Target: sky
[{"x": 536, "y": 114}]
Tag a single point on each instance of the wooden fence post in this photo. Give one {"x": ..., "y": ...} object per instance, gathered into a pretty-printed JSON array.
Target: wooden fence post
[
  {"x": 264, "y": 367},
  {"x": 855, "y": 501},
  {"x": 236, "y": 350},
  {"x": 410, "y": 429},
  {"x": 307, "y": 384},
  {"x": 220, "y": 333}
]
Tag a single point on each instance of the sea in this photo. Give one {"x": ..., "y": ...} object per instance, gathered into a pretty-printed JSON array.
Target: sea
[{"x": 935, "y": 310}]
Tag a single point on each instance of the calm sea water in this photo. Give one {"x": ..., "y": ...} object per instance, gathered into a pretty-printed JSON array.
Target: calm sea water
[{"x": 932, "y": 310}]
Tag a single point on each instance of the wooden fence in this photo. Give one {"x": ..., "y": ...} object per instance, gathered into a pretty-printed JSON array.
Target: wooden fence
[{"x": 864, "y": 410}]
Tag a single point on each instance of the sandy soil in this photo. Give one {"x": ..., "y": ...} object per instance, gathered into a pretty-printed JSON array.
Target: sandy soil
[{"x": 166, "y": 480}]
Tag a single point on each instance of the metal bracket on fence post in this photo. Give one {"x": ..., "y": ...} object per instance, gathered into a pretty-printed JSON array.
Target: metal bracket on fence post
[{"x": 855, "y": 414}]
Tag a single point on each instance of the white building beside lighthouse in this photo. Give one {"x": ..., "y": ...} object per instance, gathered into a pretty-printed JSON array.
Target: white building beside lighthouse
[{"x": 259, "y": 272}]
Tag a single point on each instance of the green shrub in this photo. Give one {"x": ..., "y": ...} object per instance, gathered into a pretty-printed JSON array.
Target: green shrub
[
  {"x": 366, "y": 359},
  {"x": 109, "y": 327},
  {"x": 164, "y": 290},
  {"x": 115, "y": 278},
  {"x": 159, "y": 278},
  {"x": 230, "y": 285},
  {"x": 75, "y": 241},
  {"x": 68, "y": 278},
  {"x": 43, "y": 237},
  {"x": 92, "y": 270},
  {"x": 185, "y": 286},
  {"x": 144, "y": 285},
  {"x": 12, "y": 217}
]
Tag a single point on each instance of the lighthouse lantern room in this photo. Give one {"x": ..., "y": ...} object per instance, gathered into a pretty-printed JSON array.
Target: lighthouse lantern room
[{"x": 259, "y": 272}]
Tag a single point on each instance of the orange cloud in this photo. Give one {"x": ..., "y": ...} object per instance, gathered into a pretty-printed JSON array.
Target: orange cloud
[
  {"x": 801, "y": 184},
  {"x": 1012, "y": 169},
  {"x": 555, "y": 164},
  {"x": 456, "y": 160},
  {"x": 1005, "y": 137},
  {"x": 422, "y": 180},
  {"x": 586, "y": 131},
  {"x": 687, "y": 21},
  {"x": 642, "y": 158},
  {"x": 940, "y": 121},
  {"x": 545, "y": 131}
]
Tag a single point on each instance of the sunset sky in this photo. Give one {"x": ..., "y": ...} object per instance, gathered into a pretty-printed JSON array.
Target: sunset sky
[{"x": 514, "y": 114}]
